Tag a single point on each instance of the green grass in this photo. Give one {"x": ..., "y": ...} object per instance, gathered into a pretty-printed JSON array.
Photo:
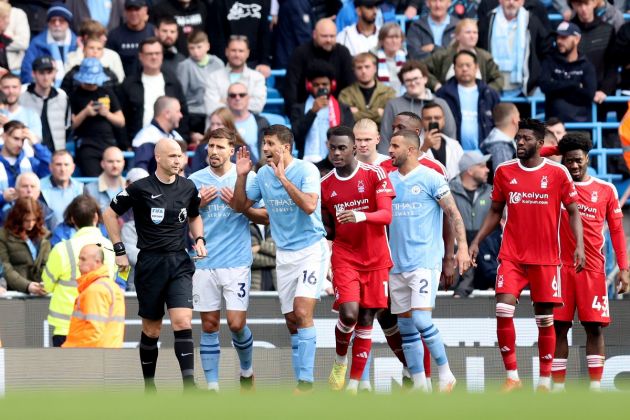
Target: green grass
[{"x": 321, "y": 405}]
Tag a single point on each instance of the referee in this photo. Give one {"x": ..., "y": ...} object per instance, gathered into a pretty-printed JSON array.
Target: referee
[{"x": 162, "y": 203}]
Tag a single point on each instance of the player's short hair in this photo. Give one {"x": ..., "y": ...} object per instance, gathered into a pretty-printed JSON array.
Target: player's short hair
[
  {"x": 197, "y": 37},
  {"x": 537, "y": 127},
  {"x": 575, "y": 141},
  {"x": 553, "y": 121},
  {"x": 501, "y": 113},
  {"x": 80, "y": 212},
  {"x": 465, "y": 52},
  {"x": 162, "y": 103},
  {"x": 411, "y": 65},
  {"x": 340, "y": 131},
  {"x": 13, "y": 125},
  {"x": 223, "y": 133},
  {"x": 366, "y": 124},
  {"x": 366, "y": 56},
  {"x": 410, "y": 136},
  {"x": 91, "y": 28},
  {"x": 284, "y": 135},
  {"x": 431, "y": 105},
  {"x": 149, "y": 41},
  {"x": 320, "y": 68},
  {"x": 166, "y": 20}
]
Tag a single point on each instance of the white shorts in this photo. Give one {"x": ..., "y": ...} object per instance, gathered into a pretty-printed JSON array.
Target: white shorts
[
  {"x": 230, "y": 283},
  {"x": 301, "y": 273},
  {"x": 414, "y": 289}
]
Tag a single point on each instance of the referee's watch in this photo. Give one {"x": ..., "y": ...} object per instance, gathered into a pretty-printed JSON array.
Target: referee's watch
[{"x": 202, "y": 238}]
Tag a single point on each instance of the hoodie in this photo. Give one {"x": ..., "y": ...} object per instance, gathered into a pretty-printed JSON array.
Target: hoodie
[{"x": 500, "y": 146}]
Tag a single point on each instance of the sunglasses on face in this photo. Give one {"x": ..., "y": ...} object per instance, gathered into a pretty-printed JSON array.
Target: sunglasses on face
[{"x": 234, "y": 95}]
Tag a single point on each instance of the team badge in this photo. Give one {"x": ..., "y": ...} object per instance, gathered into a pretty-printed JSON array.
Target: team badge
[
  {"x": 183, "y": 214},
  {"x": 500, "y": 280},
  {"x": 543, "y": 182},
  {"x": 361, "y": 187},
  {"x": 157, "y": 215},
  {"x": 415, "y": 190},
  {"x": 594, "y": 197},
  {"x": 123, "y": 193}
]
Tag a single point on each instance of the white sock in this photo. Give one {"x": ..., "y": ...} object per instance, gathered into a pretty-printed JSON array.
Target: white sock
[
  {"x": 558, "y": 386},
  {"x": 513, "y": 375},
  {"x": 405, "y": 372},
  {"x": 365, "y": 386},
  {"x": 353, "y": 385},
  {"x": 444, "y": 371},
  {"x": 429, "y": 384},
  {"x": 545, "y": 381},
  {"x": 213, "y": 386},
  {"x": 595, "y": 386},
  {"x": 341, "y": 360},
  {"x": 247, "y": 373}
]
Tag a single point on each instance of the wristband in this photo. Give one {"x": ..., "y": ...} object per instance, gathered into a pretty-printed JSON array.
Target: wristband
[
  {"x": 202, "y": 238},
  {"x": 119, "y": 249},
  {"x": 359, "y": 216}
]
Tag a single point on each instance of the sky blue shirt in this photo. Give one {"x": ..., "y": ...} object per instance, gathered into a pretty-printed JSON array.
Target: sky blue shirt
[
  {"x": 415, "y": 234},
  {"x": 291, "y": 228},
  {"x": 228, "y": 240},
  {"x": 438, "y": 29},
  {"x": 248, "y": 129},
  {"x": 58, "y": 198},
  {"x": 469, "y": 99},
  {"x": 100, "y": 10}
]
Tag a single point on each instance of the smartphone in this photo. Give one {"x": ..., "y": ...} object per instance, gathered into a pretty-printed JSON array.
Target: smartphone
[
  {"x": 96, "y": 104},
  {"x": 434, "y": 126}
]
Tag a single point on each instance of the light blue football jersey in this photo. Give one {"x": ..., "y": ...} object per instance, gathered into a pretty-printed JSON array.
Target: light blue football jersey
[
  {"x": 228, "y": 240},
  {"x": 415, "y": 234},
  {"x": 292, "y": 229}
]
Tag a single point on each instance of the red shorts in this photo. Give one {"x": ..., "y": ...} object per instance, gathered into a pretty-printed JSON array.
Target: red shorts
[
  {"x": 586, "y": 292},
  {"x": 369, "y": 288},
  {"x": 543, "y": 281}
]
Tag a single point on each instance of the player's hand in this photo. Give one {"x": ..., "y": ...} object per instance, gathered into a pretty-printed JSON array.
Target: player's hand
[
  {"x": 623, "y": 281},
  {"x": 207, "y": 194},
  {"x": 579, "y": 260},
  {"x": 462, "y": 259},
  {"x": 278, "y": 169},
  {"x": 347, "y": 216},
  {"x": 9, "y": 194},
  {"x": 473, "y": 251},
  {"x": 122, "y": 262},
  {"x": 200, "y": 249},
  {"x": 243, "y": 161},
  {"x": 227, "y": 194},
  {"x": 447, "y": 277}
]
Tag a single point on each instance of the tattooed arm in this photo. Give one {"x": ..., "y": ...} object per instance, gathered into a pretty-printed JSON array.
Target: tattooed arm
[{"x": 462, "y": 259}]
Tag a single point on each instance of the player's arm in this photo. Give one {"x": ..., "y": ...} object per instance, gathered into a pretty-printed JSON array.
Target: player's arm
[
  {"x": 329, "y": 224},
  {"x": 306, "y": 201},
  {"x": 490, "y": 223},
  {"x": 447, "y": 203},
  {"x": 448, "y": 262},
  {"x": 110, "y": 219},
  {"x": 618, "y": 239},
  {"x": 195, "y": 224},
  {"x": 257, "y": 216},
  {"x": 575, "y": 220},
  {"x": 239, "y": 201},
  {"x": 381, "y": 216}
]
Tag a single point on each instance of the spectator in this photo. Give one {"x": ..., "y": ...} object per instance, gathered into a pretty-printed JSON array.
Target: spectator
[
  {"x": 264, "y": 263},
  {"x": 68, "y": 228},
  {"x": 194, "y": 75},
  {"x": 59, "y": 275},
  {"x": 126, "y": 39},
  {"x": 249, "y": 126},
  {"x": 14, "y": 161},
  {"x": 11, "y": 86},
  {"x": 19, "y": 32},
  {"x": 109, "y": 13},
  {"x": 5, "y": 41},
  {"x": 24, "y": 247},
  {"x": 391, "y": 55},
  {"x": 470, "y": 100},
  {"x": 535, "y": 7},
  {"x": 89, "y": 32},
  {"x": 93, "y": 48},
  {"x": 221, "y": 118},
  {"x": 363, "y": 36},
  {"x": 59, "y": 188},
  {"x": 322, "y": 47},
  {"x": 49, "y": 102},
  {"x": 98, "y": 318},
  {"x": 28, "y": 185},
  {"x": 250, "y": 19},
  {"x": 440, "y": 63},
  {"x": 556, "y": 126},
  {"x": 57, "y": 41},
  {"x": 367, "y": 96},
  {"x": 348, "y": 16},
  {"x": 611, "y": 14},
  {"x": 500, "y": 142},
  {"x": 367, "y": 139},
  {"x": 431, "y": 32},
  {"x": 442, "y": 148},
  {"x": 472, "y": 196},
  {"x": 140, "y": 90},
  {"x": 110, "y": 182},
  {"x": 95, "y": 114},
  {"x": 413, "y": 75},
  {"x": 294, "y": 28},
  {"x": 620, "y": 52},
  {"x": 167, "y": 116},
  {"x": 35, "y": 12},
  {"x": 167, "y": 34},
  {"x": 189, "y": 15},
  {"x": 236, "y": 69},
  {"x": 568, "y": 78},
  {"x": 311, "y": 120},
  {"x": 596, "y": 44},
  {"x": 512, "y": 34}
]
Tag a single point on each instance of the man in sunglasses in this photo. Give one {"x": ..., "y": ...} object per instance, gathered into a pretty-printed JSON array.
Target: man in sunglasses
[{"x": 249, "y": 125}]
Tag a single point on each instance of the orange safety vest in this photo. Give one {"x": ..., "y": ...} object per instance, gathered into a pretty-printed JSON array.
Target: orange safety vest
[
  {"x": 98, "y": 319},
  {"x": 624, "y": 136}
]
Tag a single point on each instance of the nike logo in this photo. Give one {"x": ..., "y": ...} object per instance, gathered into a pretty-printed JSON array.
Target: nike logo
[
  {"x": 185, "y": 354},
  {"x": 147, "y": 363},
  {"x": 155, "y": 196}
]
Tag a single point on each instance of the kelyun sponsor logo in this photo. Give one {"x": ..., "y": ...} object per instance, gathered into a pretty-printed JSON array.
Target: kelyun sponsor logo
[
  {"x": 352, "y": 205},
  {"x": 528, "y": 198}
]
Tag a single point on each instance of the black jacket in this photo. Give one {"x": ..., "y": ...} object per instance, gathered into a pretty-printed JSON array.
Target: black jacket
[
  {"x": 621, "y": 53},
  {"x": 597, "y": 44},
  {"x": 569, "y": 88},
  {"x": 192, "y": 17},
  {"x": 488, "y": 98}
]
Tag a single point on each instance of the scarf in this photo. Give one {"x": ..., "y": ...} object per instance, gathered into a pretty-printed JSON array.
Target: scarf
[
  {"x": 315, "y": 144},
  {"x": 24, "y": 165},
  {"x": 510, "y": 58},
  {"x": 383, "y": 73},
  {"x": 53, "y": 48}
]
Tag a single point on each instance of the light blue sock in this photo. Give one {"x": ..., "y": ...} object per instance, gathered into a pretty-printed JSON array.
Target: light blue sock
[
  {"x": 295, "y": 356},
  {"x": 306, "y": 353},
  {"x": 430, "y": 335},
  {"x": 366, "y": 372},
  {"x": 243, "y": 342},
  {"x": 210, "y": 352},
  {"x": 411, "y": 345}
]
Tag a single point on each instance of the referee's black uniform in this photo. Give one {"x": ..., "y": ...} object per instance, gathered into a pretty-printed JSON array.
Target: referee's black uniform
[{"x": 163, "y": 273}]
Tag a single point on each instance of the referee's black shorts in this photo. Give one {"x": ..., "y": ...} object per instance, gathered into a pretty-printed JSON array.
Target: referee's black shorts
[{"x": 163, "y": 278}]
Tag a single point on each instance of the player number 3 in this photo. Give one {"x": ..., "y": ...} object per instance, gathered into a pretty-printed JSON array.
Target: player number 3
[{"x": 308, "y": 278}]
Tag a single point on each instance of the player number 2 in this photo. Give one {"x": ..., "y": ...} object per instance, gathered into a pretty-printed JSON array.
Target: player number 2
[
  {"x": 601, "y": 306},
  {"x": 424, "y": 283},
  {"x": 311, "y": 279},
  {"x": 241, "y": 291}
]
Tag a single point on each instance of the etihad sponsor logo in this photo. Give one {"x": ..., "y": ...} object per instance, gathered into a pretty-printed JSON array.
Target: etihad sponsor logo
[
  {"x": 352, "y": 205},
  {"x": 528, "y": 198}
]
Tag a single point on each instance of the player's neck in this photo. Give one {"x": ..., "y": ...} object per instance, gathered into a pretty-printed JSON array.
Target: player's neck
[
  {"x": 221, "y": 170},
  {"x": 408, "y": 166},
  {"x": 370, "y": 160},
  {"x": 347, "y": 170},
  {"x": 532, "y": 162},
  {"x": 585, "y": 178}
]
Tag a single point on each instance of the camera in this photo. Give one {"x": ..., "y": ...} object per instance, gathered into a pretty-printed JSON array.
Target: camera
[
  {"x": 434, "y": 126},
  {"x": 322, "y": 92}
]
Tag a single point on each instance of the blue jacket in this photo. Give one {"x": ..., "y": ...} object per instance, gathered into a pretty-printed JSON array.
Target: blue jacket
[
  {"x": 38, "y": 48},
  {"x": 39, "y": 162},
  {"x": 488, "y": 98}
]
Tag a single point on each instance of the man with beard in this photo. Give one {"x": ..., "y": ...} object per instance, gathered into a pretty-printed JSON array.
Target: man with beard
[
  {"x": 166, "y": 32},
  {"x": 363, "y": 36}
]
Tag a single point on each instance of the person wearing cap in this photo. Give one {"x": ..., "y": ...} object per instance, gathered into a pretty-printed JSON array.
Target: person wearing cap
[
  {"x": 431, "y": 32},
  {"x": 363, "y": 36},
  {"x": 472, "y": 196},
  {"x": 50, "y": 103},
  {"x": 56, "y": 41},
  {"x": 568, "y": 78},
  {"x": 96, "y": 112}
]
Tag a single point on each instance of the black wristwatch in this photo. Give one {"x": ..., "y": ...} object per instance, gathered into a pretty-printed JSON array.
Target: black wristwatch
[{"x": 202, "y": 238}]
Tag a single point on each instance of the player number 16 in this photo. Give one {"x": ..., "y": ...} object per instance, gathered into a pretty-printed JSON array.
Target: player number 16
[{"x": 308, "y": 278}]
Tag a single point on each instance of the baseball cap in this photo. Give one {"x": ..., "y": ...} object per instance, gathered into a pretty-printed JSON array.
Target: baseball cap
[
  {"x": 59, "y": 10},
  {"x": 43, "y": 63},
  {"x": 568, "y": 29},
  {"x": 472, "y": 158},
  {"x": 367, "y": 3},
  {"x": 135, "y": 3}
]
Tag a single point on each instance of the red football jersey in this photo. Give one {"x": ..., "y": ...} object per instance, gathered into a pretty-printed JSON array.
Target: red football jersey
[
  {"x": 424, "y": 160},
  {"x": 362, "y": 246},
  {"x": 597, "y": 201},
  {"x": 533, "y": 197}
]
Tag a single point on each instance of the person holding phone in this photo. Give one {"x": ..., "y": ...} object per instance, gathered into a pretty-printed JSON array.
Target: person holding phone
[{"x": 434, "y": 142}]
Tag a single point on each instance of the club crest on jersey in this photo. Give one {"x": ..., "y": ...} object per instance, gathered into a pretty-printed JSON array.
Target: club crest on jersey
[
  {"x": 415, "y": 190},
  {"x": 123, "y": 193},
  {"x": 543, "y": 182},
  {"x": 183, "y": 214},
  {"x": 157, "y": 215},
  {"x": 594, "y": 197},
  {"x": 361, "y": 186},
  {"x": 500, "y": 281}
]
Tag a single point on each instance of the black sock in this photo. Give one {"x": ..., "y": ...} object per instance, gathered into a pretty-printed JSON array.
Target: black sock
[
  {"x": 185, "y": 353},
  {"x": 148, "y": 359}
]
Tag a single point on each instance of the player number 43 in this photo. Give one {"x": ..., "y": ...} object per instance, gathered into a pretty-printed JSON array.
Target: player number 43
[{"x": 601, "y": 306}]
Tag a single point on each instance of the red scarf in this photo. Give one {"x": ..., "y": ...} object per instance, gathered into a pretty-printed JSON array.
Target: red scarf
[{"x": 334, "y": 112}]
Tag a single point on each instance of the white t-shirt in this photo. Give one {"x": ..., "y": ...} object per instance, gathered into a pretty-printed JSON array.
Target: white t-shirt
[{"x": 153, "y": 89}]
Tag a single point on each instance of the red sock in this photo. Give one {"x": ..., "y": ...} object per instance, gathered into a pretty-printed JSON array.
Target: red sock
[
  {"x": 559, "y": 370},
  {"x": 394, "y": 340},
  {"x": 343, "y": 333},
  {"x": 360, "y": 351},
  {"x": 546, "y": 343},
  {"x": 506, "y": 335},
  {"x": 427, "y": 360},
  {"x": 595, "y": 363}
]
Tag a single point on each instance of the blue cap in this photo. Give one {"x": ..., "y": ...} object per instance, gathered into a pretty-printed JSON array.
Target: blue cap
[{"x": 91, "y": 72}]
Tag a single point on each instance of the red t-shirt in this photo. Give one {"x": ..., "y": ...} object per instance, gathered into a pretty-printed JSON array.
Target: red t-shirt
[
  {"x": 425, "y": 160},
  {"x": 362, "y": 246},
  {"x": 597, "y": 201},
  {"x": 533, "y": 197}
]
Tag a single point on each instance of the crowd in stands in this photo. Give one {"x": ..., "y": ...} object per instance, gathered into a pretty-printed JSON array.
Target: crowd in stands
[{"x": 84, "y": 82}]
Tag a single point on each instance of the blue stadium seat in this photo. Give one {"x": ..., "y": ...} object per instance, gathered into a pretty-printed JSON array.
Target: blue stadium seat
[{"x": 276, "y": 119}]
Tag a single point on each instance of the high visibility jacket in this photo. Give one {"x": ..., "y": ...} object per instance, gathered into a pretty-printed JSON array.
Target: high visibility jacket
[
  {"x": 98, "y": 319},
  {"x": 61, "y": 273}
]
